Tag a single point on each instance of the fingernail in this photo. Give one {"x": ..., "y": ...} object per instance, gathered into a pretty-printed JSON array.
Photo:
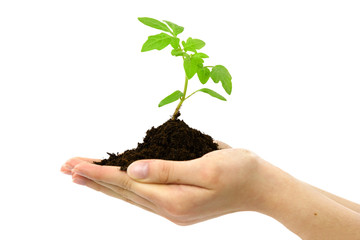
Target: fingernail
[{"x": 138, "y": 170}]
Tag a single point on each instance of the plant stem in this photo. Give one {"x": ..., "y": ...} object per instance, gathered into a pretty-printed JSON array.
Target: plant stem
[
  {"x": 182, "y": 99},
  {"x": 192, "y": 94}
]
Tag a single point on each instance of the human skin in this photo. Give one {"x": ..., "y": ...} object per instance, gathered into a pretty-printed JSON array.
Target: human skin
[{"x": 222, "y": 182}]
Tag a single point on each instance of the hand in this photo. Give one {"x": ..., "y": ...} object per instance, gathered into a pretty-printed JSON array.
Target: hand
[
  {"x": 222, "y": 182},
  {"x": 185, "y": 192}
]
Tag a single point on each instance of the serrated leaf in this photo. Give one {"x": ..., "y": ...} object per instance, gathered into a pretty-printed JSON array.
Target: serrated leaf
[
  {"x": 158, "y": 41},
  {"x": 203, "y": 74},
  {"x": 212, "y": 93},
  {"x": 175, "y": 42},
  {"x": 220, "y": 73},
  {"x": 197, "y": 61},
  {"x": 201, "y": 55},
  {"x": 193, "y": 44},
  {"x": 176, "y": 28},
  {"x": 191, "y": 65},
  {"x": 171, "y": 98},
  {"x": 151, "y": 22},
  {"x": 190, "y": 69}
]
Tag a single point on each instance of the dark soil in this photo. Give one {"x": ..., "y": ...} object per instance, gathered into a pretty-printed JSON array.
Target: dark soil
[{"x": 173, "y": 140}]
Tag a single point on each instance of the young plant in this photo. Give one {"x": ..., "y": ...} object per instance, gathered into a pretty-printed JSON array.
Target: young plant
[{"x": 193, "y": 60}]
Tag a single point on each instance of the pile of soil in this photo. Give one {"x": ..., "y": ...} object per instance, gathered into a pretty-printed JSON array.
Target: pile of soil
[{"x": 173, "y": 140}]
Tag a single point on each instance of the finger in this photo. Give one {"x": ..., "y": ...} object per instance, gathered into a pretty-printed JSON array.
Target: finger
[
  {"x": 108, "y": 191},
  {"x": 222, "y": 145},
  {"x": 72, "y": 162},
  {"x": 65, "y": 169},
  {"x": 128, "y": 195},
  {"x": 106, "y": 174},
  {"x": 79, "y": 179},
  {"x": 168, "y": 172},
  {"x": 152, "y": 192}
]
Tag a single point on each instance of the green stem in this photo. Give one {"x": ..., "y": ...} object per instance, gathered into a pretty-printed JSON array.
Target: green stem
[
  {"x": 182, "y": 99},
  {"x": 192, "y": 94}
]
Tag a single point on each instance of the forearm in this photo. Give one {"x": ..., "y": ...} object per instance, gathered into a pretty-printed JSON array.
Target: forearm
[
  {"x": 305, "y": 211},
  {"x": 346, "y": 203}
]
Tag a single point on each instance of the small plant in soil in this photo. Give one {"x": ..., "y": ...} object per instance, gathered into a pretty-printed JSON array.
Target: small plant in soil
[
  {"x": 175, "y": 140},
  {"x": 192, "y": 59}
]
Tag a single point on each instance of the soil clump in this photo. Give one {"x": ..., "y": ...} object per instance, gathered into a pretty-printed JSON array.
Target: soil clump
[{"x": 173, "y": 140}]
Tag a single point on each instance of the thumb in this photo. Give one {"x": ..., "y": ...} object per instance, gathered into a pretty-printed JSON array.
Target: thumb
[{"x": 165, "y": 172}]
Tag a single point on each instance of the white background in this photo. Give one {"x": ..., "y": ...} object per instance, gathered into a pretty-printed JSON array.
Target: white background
[{"x": 74, "y": 83}]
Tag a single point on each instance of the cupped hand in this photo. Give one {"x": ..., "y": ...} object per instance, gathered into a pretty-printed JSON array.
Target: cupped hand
[{"x": 185, "y": 192}]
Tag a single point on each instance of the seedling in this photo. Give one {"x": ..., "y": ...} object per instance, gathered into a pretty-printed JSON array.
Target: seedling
[{"x": 193, "y": 61}]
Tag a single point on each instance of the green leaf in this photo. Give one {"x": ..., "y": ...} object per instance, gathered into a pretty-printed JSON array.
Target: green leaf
[
  {"x": 154, "y": 24},
  {"x": 193, "y": 44},
  {"x": 176, "y": 28},
  {"x": 203, "y": 74},
  {"x": 178, "y": 52},
  {"x": 212, "y": 93},
  {"x": 191, "y": 65},
  {"x": 171, "y": 98},
  {"x": 159, "y": 41},
  {"x": 190, "y": 69},
  {"x": 175, "y": 42},
  {"x": 220, "y": 73},
  {"x": 201, "y": 55},
  {"x": 197, "y": 61}
]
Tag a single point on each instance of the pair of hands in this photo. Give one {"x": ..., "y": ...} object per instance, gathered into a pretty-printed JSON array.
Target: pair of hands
[
  {"x": 184, "y": 192},
  {"x": 221, "y": 182}
]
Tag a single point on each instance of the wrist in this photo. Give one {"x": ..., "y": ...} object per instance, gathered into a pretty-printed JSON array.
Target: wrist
[
  {"x": 301, "y": 208},
  {"x": 262, "y": 184},
  {"x": 276, "y": 189},
  {"x": 282, "y": 197},
  {"x": 269, "y": 185}
]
